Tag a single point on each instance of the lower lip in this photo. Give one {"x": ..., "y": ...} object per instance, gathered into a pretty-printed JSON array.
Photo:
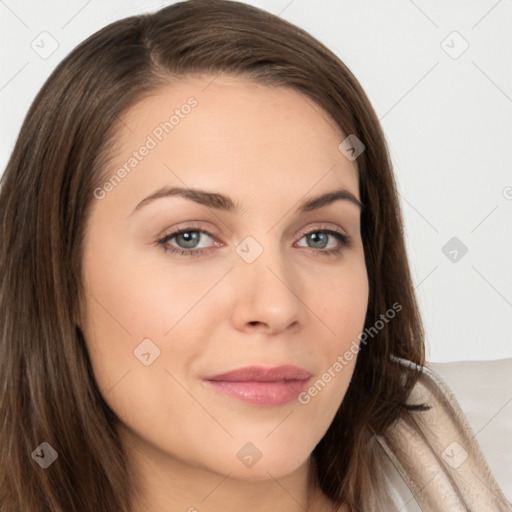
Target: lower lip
[{"x": 268, "y": 394}]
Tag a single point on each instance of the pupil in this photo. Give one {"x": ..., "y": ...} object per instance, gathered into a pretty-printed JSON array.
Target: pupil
[
  {"x": 319, "y": 239},
  {"x": 189, "y": 239}
]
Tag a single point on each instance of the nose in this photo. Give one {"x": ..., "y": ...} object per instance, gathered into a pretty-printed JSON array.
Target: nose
[{"x": 267, "y": 295}]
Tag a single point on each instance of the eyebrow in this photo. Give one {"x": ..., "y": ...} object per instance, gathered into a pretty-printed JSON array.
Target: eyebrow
[{"x": 224, "y": 203}]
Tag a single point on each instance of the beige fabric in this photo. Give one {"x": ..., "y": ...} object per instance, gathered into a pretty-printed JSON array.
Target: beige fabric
[
  {"x": 483, "y": 390},
  {"x": 437, "y": 457}
]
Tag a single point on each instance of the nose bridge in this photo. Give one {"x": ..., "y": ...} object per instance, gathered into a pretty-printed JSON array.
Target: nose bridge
[{"x": 266, "y": 284}]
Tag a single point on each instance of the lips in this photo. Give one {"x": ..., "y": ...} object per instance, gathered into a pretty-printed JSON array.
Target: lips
[{"x": 260, "y": 385}]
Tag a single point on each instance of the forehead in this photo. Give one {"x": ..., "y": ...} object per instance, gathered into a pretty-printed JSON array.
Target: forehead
[{"x": 206, "y": 131}]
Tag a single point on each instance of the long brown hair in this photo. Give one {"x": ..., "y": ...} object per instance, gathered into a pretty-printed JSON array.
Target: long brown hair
[{"x": 47, "y": 389}]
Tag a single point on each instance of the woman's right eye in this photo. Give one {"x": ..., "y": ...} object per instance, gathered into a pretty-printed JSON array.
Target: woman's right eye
[{"x": 185, "y": 242}]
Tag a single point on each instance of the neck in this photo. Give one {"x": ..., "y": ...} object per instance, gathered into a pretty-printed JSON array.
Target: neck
[{"x": 166, "y": 484}]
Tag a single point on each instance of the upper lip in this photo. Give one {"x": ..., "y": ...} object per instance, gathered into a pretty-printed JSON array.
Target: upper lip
[{"x": 263, "y": 374}]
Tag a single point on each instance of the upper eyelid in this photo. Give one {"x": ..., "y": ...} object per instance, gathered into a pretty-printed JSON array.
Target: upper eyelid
[
  {"x": 191, "y": 226},
  {"x": 187, "y": 226}
]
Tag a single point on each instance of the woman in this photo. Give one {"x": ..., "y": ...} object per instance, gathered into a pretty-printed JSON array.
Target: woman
[{"x": 206, "y": 299}]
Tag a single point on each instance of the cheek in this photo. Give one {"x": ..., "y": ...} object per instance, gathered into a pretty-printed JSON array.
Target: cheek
[
  {"x": 340, "y": 304},
  {"x": 148, "y": 296},
  {"x": 140, "y": 310},
  {"x": 132, "y": 318}
]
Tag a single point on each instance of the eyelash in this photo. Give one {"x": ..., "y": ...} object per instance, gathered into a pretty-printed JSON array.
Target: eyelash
[{"x": 343, "y": 240}]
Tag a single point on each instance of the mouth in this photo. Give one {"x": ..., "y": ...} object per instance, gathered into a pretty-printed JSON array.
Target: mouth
[{"x": 258, "y": 385}]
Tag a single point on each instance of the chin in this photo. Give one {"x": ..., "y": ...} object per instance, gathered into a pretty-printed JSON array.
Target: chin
[
  {"x": 261, "y": 472},
  {"x": 247, "y": 462}
]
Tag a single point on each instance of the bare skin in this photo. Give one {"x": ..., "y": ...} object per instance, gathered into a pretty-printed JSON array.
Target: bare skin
[{"x": 269, "y": 150}]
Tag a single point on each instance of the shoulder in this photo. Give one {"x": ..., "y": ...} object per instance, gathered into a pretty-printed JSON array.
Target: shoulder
[{"x": 436, "y": 463}]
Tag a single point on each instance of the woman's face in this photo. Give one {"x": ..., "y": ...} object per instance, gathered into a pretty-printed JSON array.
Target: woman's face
[{"x": 259, "y": 277}]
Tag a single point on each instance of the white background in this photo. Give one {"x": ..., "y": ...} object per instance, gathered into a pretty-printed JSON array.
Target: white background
[{"x": 448, "y": 123}]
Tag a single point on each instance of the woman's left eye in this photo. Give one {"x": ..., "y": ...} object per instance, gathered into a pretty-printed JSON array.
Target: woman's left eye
[
  {"x": 187, "y": 241},
  {"x": 327, "y": 240}
]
